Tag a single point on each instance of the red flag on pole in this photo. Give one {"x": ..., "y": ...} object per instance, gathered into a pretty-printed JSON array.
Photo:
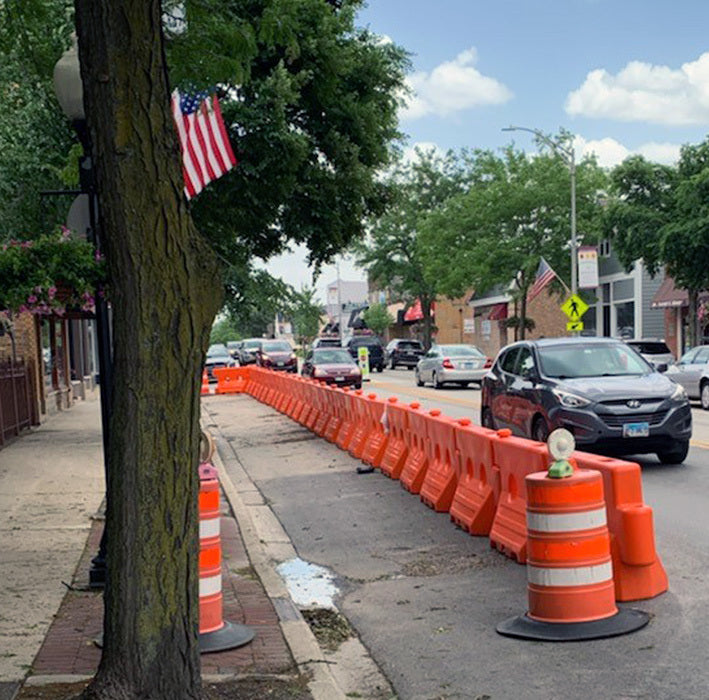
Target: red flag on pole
[{"x": 544, "y": 275}]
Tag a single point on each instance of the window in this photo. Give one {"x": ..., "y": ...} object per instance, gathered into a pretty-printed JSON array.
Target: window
[
  {"x": 507, "y": 363},
  {"x": 702, "y": 357},
  {"x": 604, "y": 248},
  {"x": 525, "y": 361}
]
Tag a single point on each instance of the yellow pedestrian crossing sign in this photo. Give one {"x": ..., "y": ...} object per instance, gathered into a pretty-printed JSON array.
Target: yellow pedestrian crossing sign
[
  {"x": 574, "y": 307},
  {"x": 574, "y": 325}
]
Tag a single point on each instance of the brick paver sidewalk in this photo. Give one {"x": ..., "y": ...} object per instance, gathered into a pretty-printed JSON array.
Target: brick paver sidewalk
[{"x": 70, "y": 645}]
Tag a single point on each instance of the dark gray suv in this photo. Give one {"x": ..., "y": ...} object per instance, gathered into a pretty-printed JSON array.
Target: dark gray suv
[{"x": 610, "y": 398}]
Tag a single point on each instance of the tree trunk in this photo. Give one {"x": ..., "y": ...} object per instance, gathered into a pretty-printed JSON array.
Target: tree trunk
[
  {"x": 164, "y": 289},
  {"x": 522, "y": 318},
  {"x": 693, "y": 317},
  {"x": 427, "y": 322}
]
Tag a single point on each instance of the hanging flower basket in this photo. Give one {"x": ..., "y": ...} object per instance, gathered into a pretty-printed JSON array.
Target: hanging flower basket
[{"x": 50, "y": 274}]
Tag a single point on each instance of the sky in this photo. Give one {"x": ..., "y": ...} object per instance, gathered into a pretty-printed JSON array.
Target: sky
[{"x": 624, "y": 76}]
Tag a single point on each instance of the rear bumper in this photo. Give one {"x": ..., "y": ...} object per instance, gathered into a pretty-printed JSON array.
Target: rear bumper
[{"x": 461, "y": 375}]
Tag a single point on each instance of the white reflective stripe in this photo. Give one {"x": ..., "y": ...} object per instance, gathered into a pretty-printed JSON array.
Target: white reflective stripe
[
  {"x": 210, "y": 585},
  {"x": 566, "y": 522},
  {"x": 578, "y": 576},
  {"x": 208, "y": 528}
]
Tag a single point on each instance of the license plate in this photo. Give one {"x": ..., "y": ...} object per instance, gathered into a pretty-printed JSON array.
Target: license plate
[
  {"x": 280, "y": 364},
  {"x": 632, "y": 430},
  {"x": 339, "y": 379},
  {"x": 470, "y": 365}
]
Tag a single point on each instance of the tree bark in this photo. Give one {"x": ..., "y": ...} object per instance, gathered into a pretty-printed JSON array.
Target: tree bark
[
  {"x": 427, "y": 322},
  {"x": 693, "y": 317},
  {"x": 165, "y": 291}
]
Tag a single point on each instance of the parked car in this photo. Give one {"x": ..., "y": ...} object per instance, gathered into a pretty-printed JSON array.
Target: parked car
[
  {"x": 247, "y": 350},
  {"x": 452, "y": 364},
  {"x": 276, "y": 354},
  {"x": 608, "y": 396},
  {"x": 218, "y": 356},
  {"x": 691, "y": 372},
  {"x": 405, "y": 352},
  {"x": 373, "y": 345},
  {"x": 327, "y": 342},
  {"x": 332, "y": 365},
  {"x": 654, "y": 351}
]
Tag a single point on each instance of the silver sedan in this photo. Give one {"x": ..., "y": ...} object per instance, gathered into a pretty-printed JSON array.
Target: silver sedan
[{"x": 455, "y": 364}]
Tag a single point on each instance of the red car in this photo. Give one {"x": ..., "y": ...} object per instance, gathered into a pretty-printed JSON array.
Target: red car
[
  {"x": 276, "y": 354},
  {"x": 334, "y": 366}
]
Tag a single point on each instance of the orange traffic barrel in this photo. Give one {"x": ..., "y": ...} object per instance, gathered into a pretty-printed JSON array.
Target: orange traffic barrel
[
  {"x": 570, "y": 587},
  {"x": 205, "y": 384},
  {"x": 215, "y": 633}
]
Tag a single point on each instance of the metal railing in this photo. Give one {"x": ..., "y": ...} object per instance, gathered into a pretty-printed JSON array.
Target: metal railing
[{"x": 18, "y": 407}]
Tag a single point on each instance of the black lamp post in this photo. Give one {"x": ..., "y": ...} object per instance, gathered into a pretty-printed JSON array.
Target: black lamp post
[{"x": 70, "y": 94}]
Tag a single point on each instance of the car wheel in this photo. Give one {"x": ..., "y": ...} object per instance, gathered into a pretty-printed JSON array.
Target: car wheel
[
  {"x": 358, "y": 385},
  {"x": 540, "y": 430},
  {"x": 380, "y": 368},
  {"x": 409, "y": 368},
  {"x": 676, "y": 455},
  {"x": 486, "y": 419},
  {"x": 704, "y": 395},
  {"x": 463, "y": 384},
  {"x": 419, "y": 381},
  {"x": 436, "y": 383}
]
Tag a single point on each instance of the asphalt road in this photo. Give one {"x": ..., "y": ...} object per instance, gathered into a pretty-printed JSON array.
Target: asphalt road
[{"x": 425, "y": 597}]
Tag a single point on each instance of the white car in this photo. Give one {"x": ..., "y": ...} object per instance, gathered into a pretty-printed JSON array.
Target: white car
[
  {"x": 692, "y": 372},
  {"x": 653, "y": 350},
  {"x": 454, "y": 364}
]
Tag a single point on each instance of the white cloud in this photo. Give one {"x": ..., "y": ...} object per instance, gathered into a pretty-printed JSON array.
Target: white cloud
[
  {"x": 611, "y": 152},
  {"x": 645, "y": 92},
  {"x": 451, "y": 87}
]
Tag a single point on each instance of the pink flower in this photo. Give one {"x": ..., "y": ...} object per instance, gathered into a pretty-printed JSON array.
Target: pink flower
[
  {"x": 31, "y": 299},
  {"x": 66, "y": 233},
  {"x": 52, "y": 292},
  {"x": 97, "y": 256}
]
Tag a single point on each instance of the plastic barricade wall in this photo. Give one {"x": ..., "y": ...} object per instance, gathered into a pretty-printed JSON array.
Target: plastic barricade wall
[
  {"x": 231, "y": 380},
  {"x": 637, "y": 570},
  {"x": 414, "y": 471},
  {"x": 441, "y": 480},
  {"x": 337, "y": 399},
  {"x": 362, "y": 427},
  {"x": 515, "y": 458},
  {"x": 377, "y": 437},
  {"x": 397, "y": 448},
  {"x": 475, "y": 499},
  {"x": 349, "y": 420}
]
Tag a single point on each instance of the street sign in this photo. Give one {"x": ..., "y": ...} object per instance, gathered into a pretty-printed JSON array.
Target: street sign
[
  {"x": 574, "y": 307},
  {"x": 574, "y": 325},
  {"x": 363, "y": 362}
]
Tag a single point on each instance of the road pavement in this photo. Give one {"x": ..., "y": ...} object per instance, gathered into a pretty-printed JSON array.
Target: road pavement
[{"x": 425, "y": 597}]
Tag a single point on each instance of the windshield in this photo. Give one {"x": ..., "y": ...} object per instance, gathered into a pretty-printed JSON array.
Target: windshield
[
  {"x": 217, "y": 350},
  {"x": 251, "y": 344},
  {"x": 332, "y": 357},
  {"x": 460, "y": 350},
  {"x": 409, "y": 345},
  {"x": 276, "y": 346},
  {"x": 597, "y": 360},
  {"x": 371, "y": 342}
]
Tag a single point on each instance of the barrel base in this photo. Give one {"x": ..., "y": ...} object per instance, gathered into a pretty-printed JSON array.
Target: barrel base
[
  {"x": 524, "y": 627},
  {"x": 230, "y": 636}
]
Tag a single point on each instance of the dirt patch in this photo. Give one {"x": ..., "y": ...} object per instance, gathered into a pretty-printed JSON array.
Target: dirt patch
[
  {"x": 444, "y": 560},
  {"x": 243, "y": 689},
  {"x": 329, "y": 627}
]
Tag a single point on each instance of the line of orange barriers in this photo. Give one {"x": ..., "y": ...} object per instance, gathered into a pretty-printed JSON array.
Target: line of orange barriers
[{"x": 475, "y": 474}]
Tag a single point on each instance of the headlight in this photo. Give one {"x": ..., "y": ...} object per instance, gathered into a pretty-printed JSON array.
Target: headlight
[
  {"x": 570, "y": 400},
  {"x": 679, "y": 394},
  {"x": 355, "y": 370},
  {"x": 319, "y": 372}
]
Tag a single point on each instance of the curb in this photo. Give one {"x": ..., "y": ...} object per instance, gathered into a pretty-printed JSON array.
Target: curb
[{"x": 300, "y": 639}]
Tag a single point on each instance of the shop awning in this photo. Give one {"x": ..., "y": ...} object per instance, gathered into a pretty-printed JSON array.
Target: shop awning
[
  {"x": 668, "y": 296},
  {"x": 498, "y": 312},
  {"x": 415, "y": 313}
]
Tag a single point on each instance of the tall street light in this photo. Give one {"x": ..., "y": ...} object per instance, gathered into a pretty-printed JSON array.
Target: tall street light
[
  {"x": 567, "y": 155},
  {"x": 70, "y": 95}
]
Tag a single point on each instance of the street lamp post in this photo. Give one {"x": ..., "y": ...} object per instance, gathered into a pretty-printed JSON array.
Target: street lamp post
[
  {"x": 568, "y": 156},
  {"x": 70, "y": 94}
]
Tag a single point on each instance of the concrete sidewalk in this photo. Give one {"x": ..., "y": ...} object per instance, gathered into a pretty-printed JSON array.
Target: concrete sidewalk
[{"x": 51, "y": 486}]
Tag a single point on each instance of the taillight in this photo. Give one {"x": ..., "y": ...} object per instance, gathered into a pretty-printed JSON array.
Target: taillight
[
  {"x": 447, "y": 363},
  {"x": 488, "y": 363}
]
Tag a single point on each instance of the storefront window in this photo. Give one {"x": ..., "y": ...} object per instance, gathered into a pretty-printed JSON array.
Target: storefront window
[{"x": 625, "y": 319}]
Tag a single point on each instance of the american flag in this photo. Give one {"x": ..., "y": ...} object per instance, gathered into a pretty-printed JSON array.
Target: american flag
[
  {"x": 206, "y": 151},
  {"x": 544, "y": 275}
]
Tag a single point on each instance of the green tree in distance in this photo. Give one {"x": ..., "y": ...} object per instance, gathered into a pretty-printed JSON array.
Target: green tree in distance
[
  {"x": 516, "y": 210},
  {"x": 310, "y": 102},
  {"x": 305, "y": 314},
  {"x": 393, "y": 253},
  {"x": 378, "y": 318},
  {"x": 223, "y": 331},
  {"x": 660, "y": 213}
]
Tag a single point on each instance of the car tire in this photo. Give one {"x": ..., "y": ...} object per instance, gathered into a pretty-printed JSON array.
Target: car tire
[
  {"x": 436, "y": 383},
  {"x": 704, "y": 395},
  {"x": 676, "y": 455},
  {"x": 419, "y": 381},
  {"x": 358, "y": 386},
  {"x": 380, "y": 368},
  {"x": 540, "y": 430},
  {"x": 464, "y": 385},
  {"x": 486, "y": 419},
  {"x": 409, "y": 368}
]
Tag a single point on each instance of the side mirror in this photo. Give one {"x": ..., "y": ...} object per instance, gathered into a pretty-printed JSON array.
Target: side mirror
[{"x": 661, "y": 367}]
